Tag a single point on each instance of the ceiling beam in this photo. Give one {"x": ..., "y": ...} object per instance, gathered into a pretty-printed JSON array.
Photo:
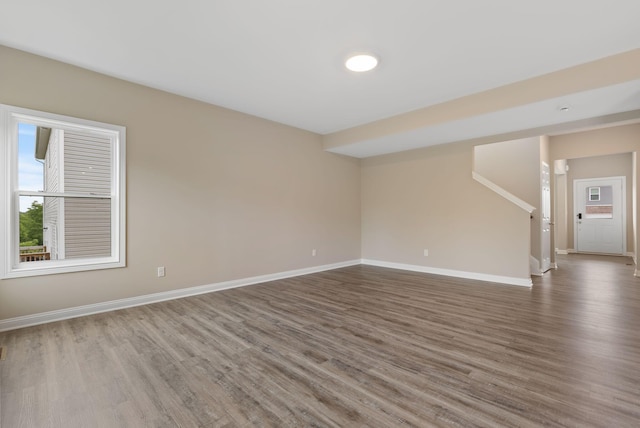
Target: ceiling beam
[{"x": 612, "y": 70}]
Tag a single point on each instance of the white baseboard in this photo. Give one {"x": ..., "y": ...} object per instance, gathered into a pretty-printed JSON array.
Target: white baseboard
[
  {"x": 523, "y": 282},
  {"x": 572, "y": 251},
  {"x": 79, "y": 311}
]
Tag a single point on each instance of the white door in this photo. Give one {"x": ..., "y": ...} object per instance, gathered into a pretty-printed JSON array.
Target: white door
[
  {"x": 600, "y": 215},
  {"x": 545, "y": 241}
]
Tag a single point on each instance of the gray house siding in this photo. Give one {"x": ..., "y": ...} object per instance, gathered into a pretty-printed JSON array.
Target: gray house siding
[{"x": 84, "y": 224}]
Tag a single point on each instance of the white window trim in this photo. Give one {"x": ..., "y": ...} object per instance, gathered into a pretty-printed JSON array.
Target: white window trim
[{"x": 10, "y": 266}]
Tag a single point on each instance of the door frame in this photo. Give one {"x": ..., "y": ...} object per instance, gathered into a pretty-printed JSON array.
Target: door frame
[{"x": 623, "y": 181}]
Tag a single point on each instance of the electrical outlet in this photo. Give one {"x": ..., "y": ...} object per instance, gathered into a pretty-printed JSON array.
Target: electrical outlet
[
  {"x": 426, "y": 252},
  {"x": 313, "y": 252},
  {"x": 160, "y": 271}
]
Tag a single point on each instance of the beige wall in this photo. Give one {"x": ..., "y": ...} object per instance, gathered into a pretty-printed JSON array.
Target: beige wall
[
  {"x": 512, "y": 165},
  {"x": 605, "y": 141},
  {"x": 596, "y": 167},
  {"x": 515, "y": 166},
  {"x": 599, "y": 142},
  {"x": 427, "y": 199},
  {"x": 213, "y": 194},
  {"x": 544, "y": 152}
]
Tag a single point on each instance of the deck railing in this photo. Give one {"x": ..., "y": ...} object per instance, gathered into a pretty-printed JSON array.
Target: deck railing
[{"x": 34, "y": 253}]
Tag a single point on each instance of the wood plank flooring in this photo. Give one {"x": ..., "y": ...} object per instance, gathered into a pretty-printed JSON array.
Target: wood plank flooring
[{"x": 359, "y": 346}]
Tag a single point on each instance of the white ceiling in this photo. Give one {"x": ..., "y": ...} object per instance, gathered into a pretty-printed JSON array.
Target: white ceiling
[{"x": 283, "y": 59}]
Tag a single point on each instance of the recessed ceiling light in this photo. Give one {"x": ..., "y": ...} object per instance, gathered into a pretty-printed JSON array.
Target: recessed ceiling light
[
  {"x": 564, "y": 109},
  {"x": 362, "y": 62}
]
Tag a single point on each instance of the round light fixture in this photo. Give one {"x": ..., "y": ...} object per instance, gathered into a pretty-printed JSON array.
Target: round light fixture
[
  {"x": 564, "y": 108},
  {"x": 362, "y": 62}
]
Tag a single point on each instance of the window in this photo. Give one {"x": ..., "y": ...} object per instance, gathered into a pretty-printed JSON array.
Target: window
[
  {"x": 62, "y": 190},
  {"x": 599, "y": 203}
]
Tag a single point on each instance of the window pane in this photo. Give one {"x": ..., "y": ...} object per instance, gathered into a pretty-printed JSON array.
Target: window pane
[
  {"x": 31, "y": 231},
  {"x": 30, "y": 170},
  {"x": 57, "y": 160},
  {"x": 599, "y": 202},
  {"x": 65, "y": 228}
]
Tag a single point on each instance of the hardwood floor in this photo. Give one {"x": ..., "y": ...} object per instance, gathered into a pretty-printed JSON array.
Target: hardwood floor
[{"x": 358, "y": 346}]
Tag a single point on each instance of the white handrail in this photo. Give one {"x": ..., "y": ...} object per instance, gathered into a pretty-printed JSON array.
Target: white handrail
[{"x": 500, "y": 191}]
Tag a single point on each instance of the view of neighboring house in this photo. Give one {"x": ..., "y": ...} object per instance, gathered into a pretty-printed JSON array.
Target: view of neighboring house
[{"x": 75, "y": 227}]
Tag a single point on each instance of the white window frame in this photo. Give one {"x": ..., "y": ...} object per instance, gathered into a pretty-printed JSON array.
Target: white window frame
[{"x": 10, "y": 265}]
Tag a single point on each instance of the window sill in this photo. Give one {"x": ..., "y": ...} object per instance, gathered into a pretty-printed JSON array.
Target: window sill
[{"x": 58, "y": 267}]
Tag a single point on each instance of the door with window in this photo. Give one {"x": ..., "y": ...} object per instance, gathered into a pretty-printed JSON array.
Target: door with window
[{"x": 600, "y": 215}]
